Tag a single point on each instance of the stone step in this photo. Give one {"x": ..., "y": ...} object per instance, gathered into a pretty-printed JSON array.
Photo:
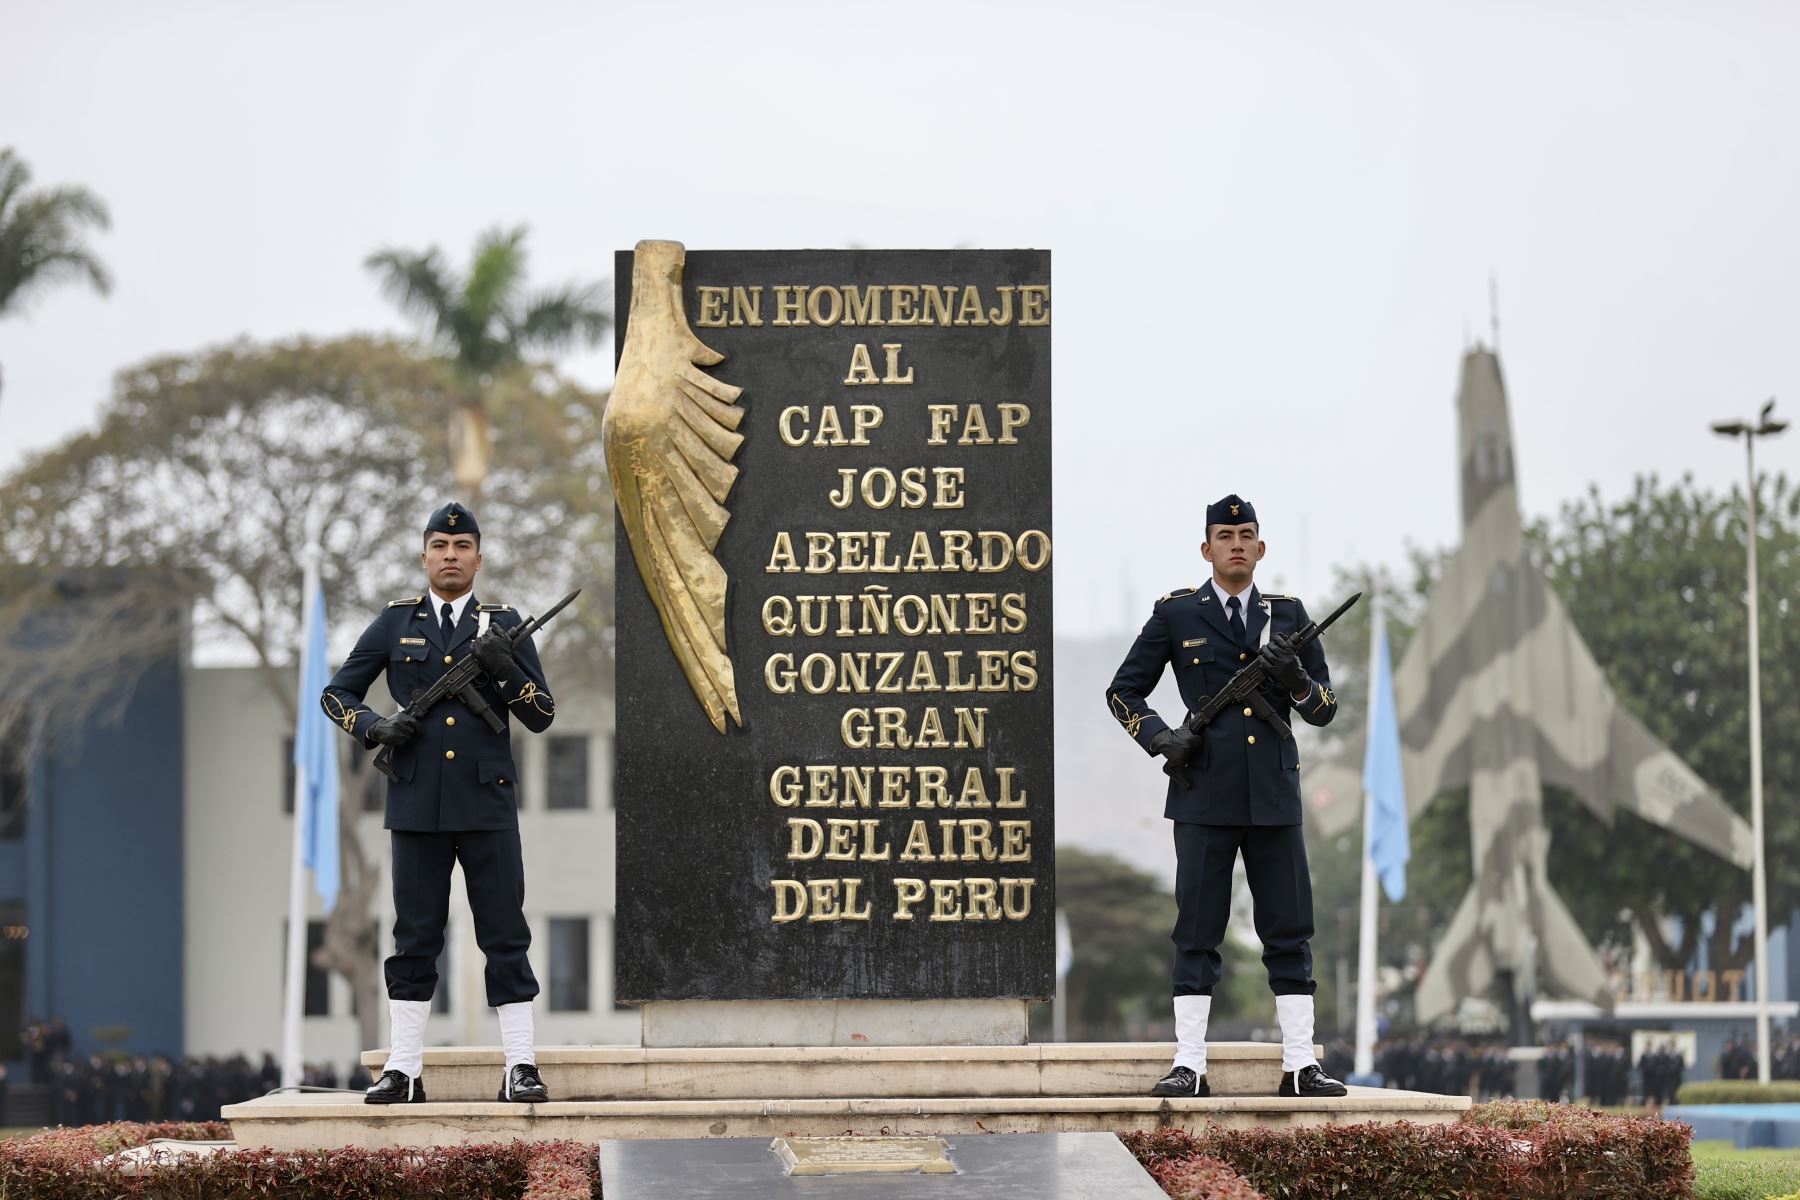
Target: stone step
[
  {"x": 317, "y": 1121},
  {"x": 472, "y": 1073}
]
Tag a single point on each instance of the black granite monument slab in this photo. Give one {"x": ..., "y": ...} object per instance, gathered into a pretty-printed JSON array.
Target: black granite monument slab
[
  {"x": 1005, "y": 1166},
  {"x": 880, "y": 824}
]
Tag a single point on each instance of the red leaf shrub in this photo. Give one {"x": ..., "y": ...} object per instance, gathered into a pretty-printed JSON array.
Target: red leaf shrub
[
  {"x": 1510, "y": 1151},
  {"x": 66, "y": 1164},
  {"x": 1202, "y": 1178},
  {"x": 562, "y": 1171}
]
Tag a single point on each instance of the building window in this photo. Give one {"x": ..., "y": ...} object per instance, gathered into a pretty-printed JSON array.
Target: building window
[
  {"x": 568, "y": 964},
  {"x": 566, "y": 772},
  {"x": 316, "y": 991},
  {"x": 287, "y": 776},
  {"x": 12, "y": 790}
]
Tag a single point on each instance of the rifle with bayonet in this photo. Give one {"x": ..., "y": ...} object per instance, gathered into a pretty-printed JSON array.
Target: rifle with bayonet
[
  {"x": 1246, "y": 689},
  {"x": 459, "y": 681}
]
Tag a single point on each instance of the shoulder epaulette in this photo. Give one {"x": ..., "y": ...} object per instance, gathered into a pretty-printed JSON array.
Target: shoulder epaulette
[
  {"x": 493, "y": 608},
  {"x": 406, "y": 601},
  {"x": 1275, "y": 596},
  {"x": 1177, "y": 594}
]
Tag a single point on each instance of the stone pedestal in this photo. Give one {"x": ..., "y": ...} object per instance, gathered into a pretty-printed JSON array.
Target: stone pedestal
[
  {"x": 645, "y": 1092},
  {"x": 717, "y": 1023}
]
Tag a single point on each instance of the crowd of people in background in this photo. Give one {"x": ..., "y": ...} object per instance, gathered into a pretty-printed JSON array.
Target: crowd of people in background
[
  {"x": 1452, "y": 1066},
  {"x": 1660, "y": 1069},
  {"x": 96, "y": 1088},
  {"x": 1738, "y": 1059},
  {"x": 1605, "y": 1068},
  {"x": 1446, "y": 1066}
]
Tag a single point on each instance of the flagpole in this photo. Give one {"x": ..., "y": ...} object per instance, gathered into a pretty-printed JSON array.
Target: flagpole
[
  {"x": 1365, "y": 952},
  {"x": 295, "y": 991}
]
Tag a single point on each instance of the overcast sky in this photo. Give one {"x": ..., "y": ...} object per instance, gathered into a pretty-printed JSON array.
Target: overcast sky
[{"x": 1273, "y": 225}]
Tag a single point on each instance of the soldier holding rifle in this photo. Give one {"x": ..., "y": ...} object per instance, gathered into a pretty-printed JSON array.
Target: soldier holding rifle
[
  {"x": 452, "y": 792},
  {"x": 1234, "y": 784}
]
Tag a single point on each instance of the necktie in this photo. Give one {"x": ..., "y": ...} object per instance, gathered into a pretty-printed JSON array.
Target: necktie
[
  {"x": 1237, "y": 619},
  {"x": 449, "y": 626}
]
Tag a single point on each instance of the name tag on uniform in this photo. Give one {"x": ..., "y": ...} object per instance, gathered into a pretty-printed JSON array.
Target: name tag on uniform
[
  {"x": 412, "y": 641},
  {"x": 1193, "y": 642}
]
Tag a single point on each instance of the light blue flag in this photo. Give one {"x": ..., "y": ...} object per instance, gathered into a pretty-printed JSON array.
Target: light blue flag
[
  {"x": 1389, "y": 845},
  {"x": 315, "y": 754}
]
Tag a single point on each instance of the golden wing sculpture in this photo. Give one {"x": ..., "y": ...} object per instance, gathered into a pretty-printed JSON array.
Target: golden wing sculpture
[{"x": 670, "y": 435}]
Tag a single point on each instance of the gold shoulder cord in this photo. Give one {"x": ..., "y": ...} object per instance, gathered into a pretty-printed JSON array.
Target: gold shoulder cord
[
  {"x": 334, "y": 708},
  {"x": 537, "y": 698},
  {"x": 1130, "y": 720}
]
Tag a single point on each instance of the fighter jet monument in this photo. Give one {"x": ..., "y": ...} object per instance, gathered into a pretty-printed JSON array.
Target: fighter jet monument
[{"x": 1497, "y": 692}]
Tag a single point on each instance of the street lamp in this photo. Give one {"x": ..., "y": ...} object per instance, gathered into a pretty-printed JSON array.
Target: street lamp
[{"x": 1763, "y": 427}]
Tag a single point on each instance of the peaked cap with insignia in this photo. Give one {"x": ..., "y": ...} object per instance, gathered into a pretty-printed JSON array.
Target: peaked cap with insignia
[
  {"x": 453, "y": 518},
  {"x": 1232, "y": 510}
]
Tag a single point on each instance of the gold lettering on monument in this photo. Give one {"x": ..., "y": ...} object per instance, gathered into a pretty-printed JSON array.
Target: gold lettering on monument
[
  {"x": 944, "y": 305},
  {"x": 919, "y": 637}
]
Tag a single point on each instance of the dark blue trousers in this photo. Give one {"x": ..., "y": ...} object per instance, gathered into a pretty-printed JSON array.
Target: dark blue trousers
[
  {"x": 494, "y": 873},
  {"x": 1281, "y": 895}
]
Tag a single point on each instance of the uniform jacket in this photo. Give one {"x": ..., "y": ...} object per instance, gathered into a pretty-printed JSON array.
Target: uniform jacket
[
  {"x": 457, "y": 774},
  {"x": 1245, "y": 773}
]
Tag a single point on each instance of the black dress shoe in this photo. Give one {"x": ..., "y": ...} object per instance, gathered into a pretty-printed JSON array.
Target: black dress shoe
[
  {"x": 394, "y": 1087},
  {"x": 1181, "y": 1082},
  {"x": 1310, "y": 1081},
  {"x": 523, "y": 1085}
]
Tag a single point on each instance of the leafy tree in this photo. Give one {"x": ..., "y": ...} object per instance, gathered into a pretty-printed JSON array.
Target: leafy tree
[
  {"x": 486, "y": 324},
  {"x": 41, "y": 236},
  {"x": 193, "y": 495},
  {"x": 1655, "y": 585}
]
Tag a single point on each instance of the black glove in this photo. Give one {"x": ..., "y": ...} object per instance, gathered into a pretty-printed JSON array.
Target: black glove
[
  {"x": 1178, "y": 745},
  {"x": 1282, "y": 662},
  {"x": 396, "y": 730},
  {"x": 494, "y": 652}
]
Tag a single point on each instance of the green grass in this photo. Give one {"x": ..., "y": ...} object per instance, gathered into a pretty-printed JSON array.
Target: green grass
[{"x": 1725, "y": 1173}]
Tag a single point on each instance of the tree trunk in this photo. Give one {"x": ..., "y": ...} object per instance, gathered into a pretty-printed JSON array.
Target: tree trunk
[
  {"x": 471, "y": 448},
  {"x": 1722, "y": 957}
]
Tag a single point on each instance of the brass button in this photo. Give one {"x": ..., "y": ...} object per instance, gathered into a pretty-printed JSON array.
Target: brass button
[
  {"x": 1241, "y": 658},
  {"x": 503, "y": 781},
  {"x": 1247, "y": 713},
  {"x": 452, "y": 720},
  {"x": 446, "y": 660},
  {"x": 452, "y": 753},
  {"x": 1196, "y": 662},
  {"x": 1252, "y": 739}
]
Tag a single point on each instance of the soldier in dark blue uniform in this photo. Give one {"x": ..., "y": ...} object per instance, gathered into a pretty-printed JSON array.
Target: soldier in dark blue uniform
[
  {"x": 1238, "y": 790},
  {"x": 456, "y": 799}
]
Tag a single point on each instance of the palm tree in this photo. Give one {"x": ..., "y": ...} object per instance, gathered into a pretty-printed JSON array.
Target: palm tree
[
  {"x": 486, "y": 324},
  {"x": 41, "y": 236}
]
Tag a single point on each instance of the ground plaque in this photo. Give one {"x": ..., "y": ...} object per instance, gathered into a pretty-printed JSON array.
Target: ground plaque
[
  {"x": 864, "y": 1155},
  {"x": 834, "y": 750},
  {"x": 1007, "y": 1166}
]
